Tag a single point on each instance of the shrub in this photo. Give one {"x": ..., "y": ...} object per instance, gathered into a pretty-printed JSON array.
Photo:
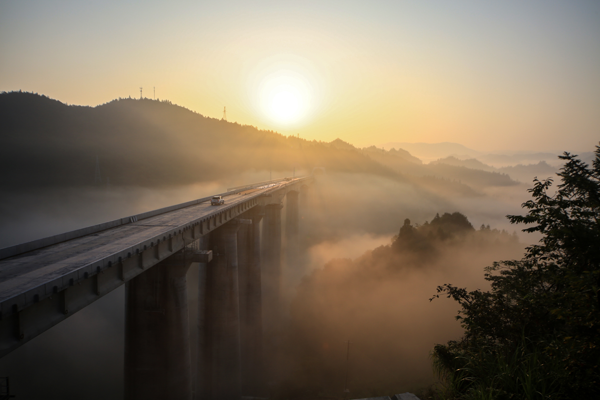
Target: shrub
[{"x": 535, "y": 334}]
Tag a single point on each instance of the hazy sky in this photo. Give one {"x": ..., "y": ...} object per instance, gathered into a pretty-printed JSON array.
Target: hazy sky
[{"x": 492, "y": 75}]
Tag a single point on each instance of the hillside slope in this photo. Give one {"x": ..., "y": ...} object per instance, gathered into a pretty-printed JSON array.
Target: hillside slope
[{"x": 146, "y": 143}]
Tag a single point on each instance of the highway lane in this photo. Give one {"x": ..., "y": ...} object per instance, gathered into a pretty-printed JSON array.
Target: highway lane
[
  {"x": 32, "y": 269},
  {"x": 45, "y": 281}
]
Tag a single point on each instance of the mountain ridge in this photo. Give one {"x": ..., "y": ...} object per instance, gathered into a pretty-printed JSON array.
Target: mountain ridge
[{"x": 145, "y": 142}]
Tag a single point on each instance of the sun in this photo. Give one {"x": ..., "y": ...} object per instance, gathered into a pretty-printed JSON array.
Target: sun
[
  {"x": 285, "y": 104},
  {"x": 285, "y": 97},
  {"x": 286, "y": 91}
]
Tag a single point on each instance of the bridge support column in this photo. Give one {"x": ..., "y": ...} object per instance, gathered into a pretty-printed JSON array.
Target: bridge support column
[
  {"x": 157, "y": 346},
  {"x": 219, "y": 354},
  {"x": 291, "y": 229},
  {"x": 303, "y": 208},
  {"x": 202, "y": 383},
  {"x": 253, "y": 379},
  {"x": 271, "y": 268},
  {"x": 303, "y": 201}
]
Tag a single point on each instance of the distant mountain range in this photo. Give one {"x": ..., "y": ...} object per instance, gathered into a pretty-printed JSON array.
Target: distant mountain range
[
  {"x": 520, "y": 172},
  {"x": 44, "y": 142},
  {"x": 146, "y": 143},
  {"x": 429, "y": 152},
  {"x": 433, "y": 151},
  {"x": 404, "y": 162}
]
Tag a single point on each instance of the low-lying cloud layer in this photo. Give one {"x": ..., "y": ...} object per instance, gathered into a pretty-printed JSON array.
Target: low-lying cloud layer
[
  {"x": 380, "y": 303},
  {"x": 337, "y": 290}
]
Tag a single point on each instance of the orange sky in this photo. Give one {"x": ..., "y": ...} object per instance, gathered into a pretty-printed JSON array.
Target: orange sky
[{"x": 501, "y": 76}]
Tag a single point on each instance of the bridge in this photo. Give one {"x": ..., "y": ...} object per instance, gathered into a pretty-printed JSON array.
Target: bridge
[{"x": 238, "y": 249}]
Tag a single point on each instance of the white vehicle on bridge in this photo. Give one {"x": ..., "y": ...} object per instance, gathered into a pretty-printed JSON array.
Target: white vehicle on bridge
[{"x": 217, "y": 201}]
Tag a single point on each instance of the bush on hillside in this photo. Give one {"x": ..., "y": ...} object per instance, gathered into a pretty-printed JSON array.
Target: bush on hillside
[{"x": 536, "y": 333}]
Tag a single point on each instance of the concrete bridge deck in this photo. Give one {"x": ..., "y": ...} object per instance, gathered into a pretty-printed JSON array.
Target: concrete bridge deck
[{"x": 59, "y": 275}]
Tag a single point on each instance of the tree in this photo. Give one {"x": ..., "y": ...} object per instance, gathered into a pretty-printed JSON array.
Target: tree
[{"x": 536, "y": 333}]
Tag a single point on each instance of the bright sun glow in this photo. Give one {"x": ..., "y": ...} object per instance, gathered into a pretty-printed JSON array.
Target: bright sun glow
[
  {"x": 285, "y": 97},
  {"x": 285, "y": 105},
  {"x": 286, "y": 90}
]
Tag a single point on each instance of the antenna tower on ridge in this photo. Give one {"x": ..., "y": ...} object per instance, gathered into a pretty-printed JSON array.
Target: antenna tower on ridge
[
  {"x": 154, "y": 88},
  {"x": 141, "y": 93},
  {"x": 224, "y": 114}
]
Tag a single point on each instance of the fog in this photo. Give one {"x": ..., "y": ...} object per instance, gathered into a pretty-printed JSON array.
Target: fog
[
  {"x": 338, "y": 289},
  {"x": 355, "y": 287},
  {"x": 382, "y": 307}
]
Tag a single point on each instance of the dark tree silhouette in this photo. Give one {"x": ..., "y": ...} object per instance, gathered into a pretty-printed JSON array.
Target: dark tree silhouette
[{"x": 536, "y": 333}]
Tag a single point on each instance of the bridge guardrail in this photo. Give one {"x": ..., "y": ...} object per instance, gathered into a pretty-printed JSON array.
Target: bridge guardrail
[{"x": 10, "y": 251}]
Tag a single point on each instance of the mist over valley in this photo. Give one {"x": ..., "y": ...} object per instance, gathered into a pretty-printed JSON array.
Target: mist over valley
[
  {"x": 300, "y": 200},
  {"x": 381, "y": 229}
]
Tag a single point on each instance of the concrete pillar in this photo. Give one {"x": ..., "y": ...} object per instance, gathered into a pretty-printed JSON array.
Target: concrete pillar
[
  {"x": 253, "y": 378},
  {"x": 303, "y": 210},
  {"x": 157, "y": 346},
  {"x": 219, "y": 362},
  {"x": 271, "y": 268},
  {"x": 291, "y": 229},
  {"x": 303, "y": 201},
  {"x": 202, "y": 359}
]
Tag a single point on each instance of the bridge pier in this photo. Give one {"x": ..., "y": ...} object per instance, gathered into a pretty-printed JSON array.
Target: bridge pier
[
  {"x": 157, "y": 346},
  {"x": 291, "y": 229},
  {"x": 253, "y": 379},
  {"x": 271, "y": 268},
  {"x": 219, "y": 348},
  {"x": 303, "y": 201},
  {"x": 202, "y": 389},
  {"x": 144, "y": 256}
]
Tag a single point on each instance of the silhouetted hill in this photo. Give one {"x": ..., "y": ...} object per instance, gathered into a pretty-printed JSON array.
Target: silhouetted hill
[
  {"x": 392, "y": 156},
  {"x": 468, "y": 163},
  {"x": 405, "y": 155},
  {"x": 450, "y": 153},
  {"x": 520, "y": 172},
  {"x": 405, "y": 163},
  {"x": 433, "y": 151},
  {"x": 146, "y": 143},
  {"x": 526, "y": 173},
  {"x": 340, "y": 144},
  {"x": 471, "y": 176},
  {"x": 45, "y": 143},
  {"x": 506, "y": 160}
]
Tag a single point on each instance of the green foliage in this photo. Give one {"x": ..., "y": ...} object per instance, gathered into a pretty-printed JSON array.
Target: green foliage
[
  {"x": 421, "y": 240},
  {"x": 535, "y": 334}
]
